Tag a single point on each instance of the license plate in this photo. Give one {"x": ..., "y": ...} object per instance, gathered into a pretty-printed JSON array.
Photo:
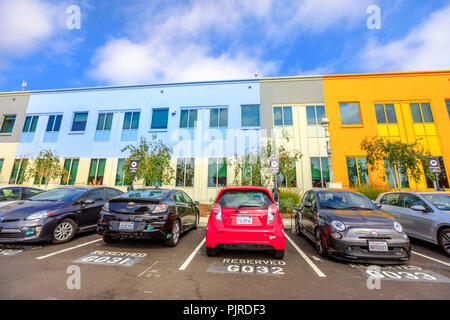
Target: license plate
[
  {"x": 244, "y": 220},
  {"x": 378, "y": 246},
  {"x": 126, "y": 226}
]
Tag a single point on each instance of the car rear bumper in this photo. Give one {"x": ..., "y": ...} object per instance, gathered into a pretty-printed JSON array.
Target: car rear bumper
[
  {"x": 141, "y": 233},
  {"x": 240, "y": 239}
]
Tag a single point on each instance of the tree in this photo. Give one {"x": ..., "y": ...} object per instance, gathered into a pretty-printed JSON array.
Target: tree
[
  {"x": 399, "y": 157},
  {"x": 44, "y": 168},
  {"x": 154, "y": 162}
]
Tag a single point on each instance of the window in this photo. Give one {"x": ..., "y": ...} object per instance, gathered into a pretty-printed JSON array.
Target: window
[
  {"x": 282, "y": 116},
  {"x": 188, "y": 118},
  {"x": 288, "y": 178},
  {"x": 441, "y": 177},
  {"x": 358, "y": 173},
  {"x": 185, "y": 172},
  {"x": 408, "y": 200},
  {"x": 96, "y": 172},
  {"x": 251, "y": 174},
  {"x": 18, "y": 171},
  {"x": 319, "y": 172},
  {"x": 315, "y": 114},
  {"x": 8, "y": 123},
  {"x": 130, "y": 126},
  {"x": 10, "y": 194},
  {"x": 217, "y": 172},
  {"x": 53, "y": 127},
  {"x": 30, "y": 192},
  {"x": 385, "y": 113},
  {"x": 349, "y": 113},
  {"x": 96, "y": 195},
  {"x": 160, "y": 118},
  {"x": 447, "y": 102},
  {"x": 218, "y": 118},
  {"x": 421, "y": 112},
  {"x": 121, "y": 179},
  {"x": 1, "y": 164},
  {"x": 395, "y": 175},
  {"x": 104, "y": 124},
  {"x": 250, "y": 116},
  {"x": 186, "y": 198},
  {"x": 390, "y": 199},
  {"x": 29, "y": 128},
  {"x": 111, "y": 193},
  {"x": 79, "y": 121},
  {"x": 70, "y": 170}
]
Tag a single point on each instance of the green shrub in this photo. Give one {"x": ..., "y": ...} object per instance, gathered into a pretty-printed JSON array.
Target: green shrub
[
  {"x": 286, "y": 205},
  {"x": 371, "y": 192},
  {"x": 288, "y": 200}
]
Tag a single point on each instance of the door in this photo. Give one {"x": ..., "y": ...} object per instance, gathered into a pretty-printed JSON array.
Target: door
[
  {"x": 417, "y": 223},
  {"x": 182, "y": 209},
  {"x": 88, "y": 213},
  {"x": 308, "y": 212},
  {"x": 192, "y": 212},
  {"x": 390, "y": 203}
]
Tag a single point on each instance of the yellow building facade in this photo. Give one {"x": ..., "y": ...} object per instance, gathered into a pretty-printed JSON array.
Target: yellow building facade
[{"x": 406, "y": 106}]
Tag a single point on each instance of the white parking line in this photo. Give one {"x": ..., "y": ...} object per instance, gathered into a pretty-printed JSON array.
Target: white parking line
[
  {"x": 307, "y": 259},
  {"x": 422, "y": 255},
  {"x": 189, "y": 259},
  {"x": 68, "y": 249},
  {"x": 149, "y": 268}
]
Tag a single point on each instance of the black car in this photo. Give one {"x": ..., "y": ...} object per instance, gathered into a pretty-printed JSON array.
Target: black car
[
  {"x": 56, "y": 215},
  {"x": 148, "y": 214},
  {"x": 11, "y": 193},
  {"x": 347, "y": 225}
]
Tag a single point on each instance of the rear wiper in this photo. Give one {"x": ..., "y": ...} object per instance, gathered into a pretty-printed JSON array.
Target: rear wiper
[{"x": 247, "y": 206}]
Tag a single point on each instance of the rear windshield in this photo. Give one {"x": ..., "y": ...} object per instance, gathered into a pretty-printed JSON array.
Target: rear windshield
[
  {"x": 244, "y": 199},
  {"x": 146, "y": 194}
]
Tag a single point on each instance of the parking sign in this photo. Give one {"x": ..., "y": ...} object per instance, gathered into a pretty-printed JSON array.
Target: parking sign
[
  {"x": 134, "y": 165},
  {"x": 434, "y": 164},
  {"x": 274, "y": 166}
]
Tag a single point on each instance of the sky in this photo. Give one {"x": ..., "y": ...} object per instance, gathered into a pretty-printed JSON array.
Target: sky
[{"x": 130, "y": 42}]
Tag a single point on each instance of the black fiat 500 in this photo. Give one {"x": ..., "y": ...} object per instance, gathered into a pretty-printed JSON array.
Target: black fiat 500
[
  {"x": 345, "y": 224},
  {"x": 56, "y": 215},
  {"x": 148, "y": 214}
]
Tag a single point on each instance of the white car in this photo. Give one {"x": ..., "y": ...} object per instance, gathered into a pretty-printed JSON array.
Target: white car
[{"x": 11, "y": 193}]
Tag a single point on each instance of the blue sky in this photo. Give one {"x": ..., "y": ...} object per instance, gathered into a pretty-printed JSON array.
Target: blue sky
[{"x": 155, "y": 41}]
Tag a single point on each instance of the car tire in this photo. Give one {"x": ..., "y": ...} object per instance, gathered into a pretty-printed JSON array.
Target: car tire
[
  {"x": 320, "y": 245},
  {"x": 278, "y": 254},
  {"x": 444, "y": 240},
  {"x": 197, "y": 221},
  {"x": 64, "y": 231},
  {"x": 297, "y": 227},
  {"x": 175, "y": 235},
  {"x": 212, "y": 252},
  {"x": 109, "y": 240}
]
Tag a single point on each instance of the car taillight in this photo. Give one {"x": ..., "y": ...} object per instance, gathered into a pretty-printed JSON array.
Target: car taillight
[
  {"x": 217, "y": 210},
  {"x": 161, "y": 207},
  {"x": 271, "y": 213}
]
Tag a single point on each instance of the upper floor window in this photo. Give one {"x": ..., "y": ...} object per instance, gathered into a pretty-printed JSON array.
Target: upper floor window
[
  {"x": 188, "y": 118},
  {"x": 421, "y": 112},
  {"x": 8, "y": 123},
  {"x": 104, "y": 124},
  {"x": 385, "y": 113},
  {"x": 282, "y": 116},
  {"x": 53, "y": 127},
  {"x": 218, "y": 118},
  {"x": 79, "y": 121},
  {"x": 130, "y": 126},
  {"x": 315, "y": 114},
  {"x": 160, "y": 118},
  {"x": 350, "y": 113},
  {"x": 250, "y": 116},
  {"x": 29, "y": 128}
]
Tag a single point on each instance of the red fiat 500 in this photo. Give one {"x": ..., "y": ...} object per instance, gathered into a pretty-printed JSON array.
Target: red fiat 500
[{"x": 245, "y": 218}]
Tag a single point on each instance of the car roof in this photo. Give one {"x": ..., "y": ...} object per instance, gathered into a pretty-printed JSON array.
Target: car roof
[
  {"x": 244, "y": 188},
  {"x": 418, "y": 192},
  {"x": 332, "y": 190},
  {"x": 18, "y": 186}
]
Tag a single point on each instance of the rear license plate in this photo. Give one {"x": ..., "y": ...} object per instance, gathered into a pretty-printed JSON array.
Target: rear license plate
[
  {"x": 126, "y": 226},
  {"x": 378, "y": 246},
  {"x": 244, "y": 220}
]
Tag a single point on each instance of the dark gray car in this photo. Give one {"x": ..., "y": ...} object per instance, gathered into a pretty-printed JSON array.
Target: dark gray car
[{"x": 424, "y": 215}]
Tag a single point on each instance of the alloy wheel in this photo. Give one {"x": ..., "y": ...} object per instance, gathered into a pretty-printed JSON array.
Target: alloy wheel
[
  {"x": 176, "y": 232},
  {"x": 63, "y": 231},
  {"x": 446, "y": 241}
]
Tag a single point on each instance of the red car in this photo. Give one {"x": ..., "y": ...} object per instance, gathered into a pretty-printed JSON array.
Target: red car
[{"x": 245, "y": 218}]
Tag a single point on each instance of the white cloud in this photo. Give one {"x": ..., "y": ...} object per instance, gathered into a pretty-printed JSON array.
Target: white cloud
[
  {"x": 427, "y": 47},
  {"x": 208, "y": 40}
]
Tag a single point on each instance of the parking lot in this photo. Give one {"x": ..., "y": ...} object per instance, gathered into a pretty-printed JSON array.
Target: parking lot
[{"x": 149, "y": 270}]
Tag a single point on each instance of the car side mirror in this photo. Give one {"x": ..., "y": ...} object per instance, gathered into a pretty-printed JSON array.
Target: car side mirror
[
  {"x": 88, "y": 202},
  {"x": 419, "y": 208},
  {"x": 307, "y": 205},
  {"x": 196, "y": 203}
]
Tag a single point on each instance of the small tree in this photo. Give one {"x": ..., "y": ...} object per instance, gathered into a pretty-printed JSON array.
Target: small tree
[
  {"x": 399, "y": 157},
  {"x": 44, "y": 168},
  {"x": 154, "y": 162}
]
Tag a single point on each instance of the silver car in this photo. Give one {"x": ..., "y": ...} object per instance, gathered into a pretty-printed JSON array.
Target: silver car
[
  {"x": 424, "y": 215},
  {"x": 11, "y": 193}
]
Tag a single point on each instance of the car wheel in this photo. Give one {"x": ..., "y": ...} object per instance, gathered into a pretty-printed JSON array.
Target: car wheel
[
  {"x": 212, "y": 252},
  {"x": 197, "y": 221},
  {"x": 320, "y": 244},
  {"x": 109, "y": 240},
  {"x": 64, "y": 231},
  {"x": 278, "y": 254},
  {"x": 297, "y": 227},
  {"x": 444, "y": 240},
  {"x": 175, "y": 235}
]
